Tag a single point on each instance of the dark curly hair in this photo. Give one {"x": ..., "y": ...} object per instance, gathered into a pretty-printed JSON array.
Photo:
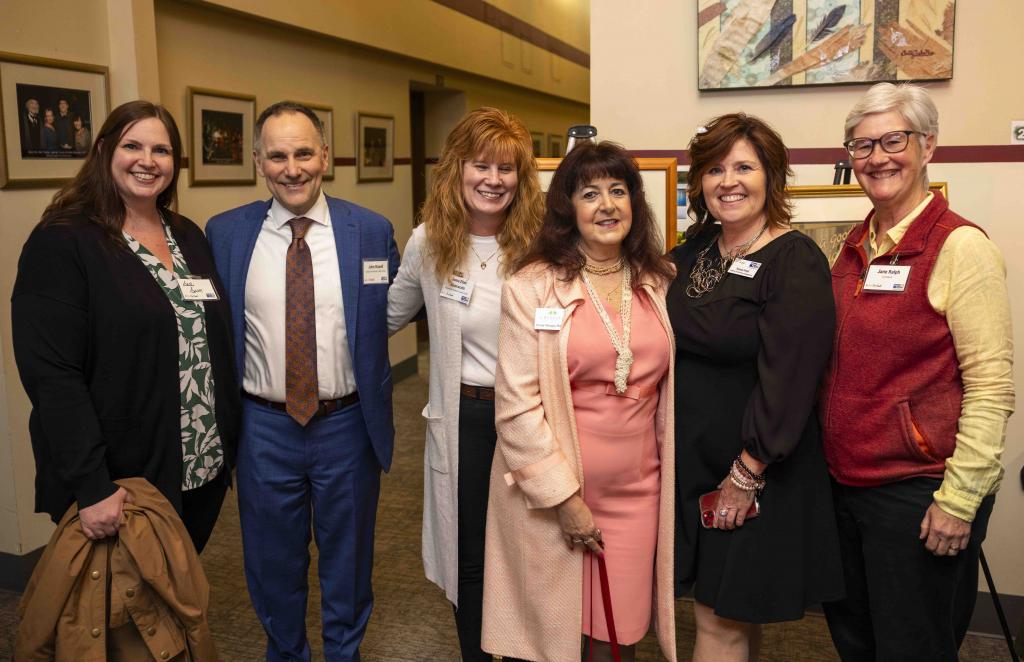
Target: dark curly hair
[{"x": 557, "y": 243}]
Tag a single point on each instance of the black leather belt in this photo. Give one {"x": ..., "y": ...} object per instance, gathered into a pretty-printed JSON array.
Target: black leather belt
[
  {"x": 477, "y": 392},
  {"x": 323, "y": 408}
]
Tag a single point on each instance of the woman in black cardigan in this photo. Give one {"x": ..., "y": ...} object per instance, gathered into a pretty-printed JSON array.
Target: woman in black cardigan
[{"x": 129, "y": 368}]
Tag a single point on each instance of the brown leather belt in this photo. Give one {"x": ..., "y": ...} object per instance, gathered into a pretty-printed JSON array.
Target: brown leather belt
[
  {"x": 477, "y": 392},
  {"x": 323, "y": 408}
]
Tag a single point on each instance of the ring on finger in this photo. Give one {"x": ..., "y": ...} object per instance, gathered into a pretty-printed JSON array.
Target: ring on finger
[{"x": 723, "y": 512}]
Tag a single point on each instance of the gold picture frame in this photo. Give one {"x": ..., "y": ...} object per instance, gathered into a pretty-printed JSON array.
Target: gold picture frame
[
  {"x": 659, "y": 176},
  {"x": 81, "y": 90}
]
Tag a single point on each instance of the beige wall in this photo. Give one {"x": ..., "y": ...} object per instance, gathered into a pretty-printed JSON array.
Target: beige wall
[
  {"x": 156, "y": 49},
  {"x": 428, "y": 31},
  {"x": 644, "y": 94}
]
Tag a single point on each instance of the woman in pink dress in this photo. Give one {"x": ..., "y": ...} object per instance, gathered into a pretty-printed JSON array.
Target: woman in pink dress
[{"x": 584, "y": 420}]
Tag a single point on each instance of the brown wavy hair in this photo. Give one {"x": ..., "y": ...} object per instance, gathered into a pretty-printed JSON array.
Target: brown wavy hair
[
  {"x": 558, "y": 241},
  {"x": 93, "y": 194},
  {"x": 708, "y": 148},
  {"x": 489, "y": 133}
]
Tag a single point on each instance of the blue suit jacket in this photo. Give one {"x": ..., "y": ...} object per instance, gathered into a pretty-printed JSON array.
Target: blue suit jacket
[{"x": 359, "y": 234}]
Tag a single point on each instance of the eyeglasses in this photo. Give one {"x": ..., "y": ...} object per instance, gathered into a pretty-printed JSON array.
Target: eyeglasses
[{"x": 893, "y": 142}]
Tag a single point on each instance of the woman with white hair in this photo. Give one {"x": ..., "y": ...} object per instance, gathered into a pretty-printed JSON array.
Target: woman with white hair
[{"x": 916, "y": 399}]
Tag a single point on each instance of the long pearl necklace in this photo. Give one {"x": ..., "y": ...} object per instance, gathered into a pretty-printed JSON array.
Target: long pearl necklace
[{"x": 624, "y": 355}]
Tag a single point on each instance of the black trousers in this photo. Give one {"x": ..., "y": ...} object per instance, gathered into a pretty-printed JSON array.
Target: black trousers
[
  {"x": 477, "y": 439},
  {"x": 200, "y": 508},
  {"x": 902, "y": 602}
]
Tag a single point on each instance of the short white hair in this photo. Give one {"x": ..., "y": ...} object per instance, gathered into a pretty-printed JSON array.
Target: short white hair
[{"x": 911, "y": 102}]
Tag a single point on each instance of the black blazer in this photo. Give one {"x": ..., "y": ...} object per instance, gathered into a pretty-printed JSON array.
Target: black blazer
[{"x": 96, "y": 344}]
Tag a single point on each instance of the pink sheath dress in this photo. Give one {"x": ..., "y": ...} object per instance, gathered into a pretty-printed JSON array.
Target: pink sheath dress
[{"x": 621, "y": 463}]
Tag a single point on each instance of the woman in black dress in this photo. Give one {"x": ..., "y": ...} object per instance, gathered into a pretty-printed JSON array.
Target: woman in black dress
[{"x": 753, "y": 315}]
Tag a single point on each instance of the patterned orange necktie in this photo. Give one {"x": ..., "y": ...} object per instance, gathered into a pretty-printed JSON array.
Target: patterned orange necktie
[{"x": 301, "y": 391}]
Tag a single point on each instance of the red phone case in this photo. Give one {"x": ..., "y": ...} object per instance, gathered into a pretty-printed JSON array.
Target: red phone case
[{"x": 707, "y": 508}]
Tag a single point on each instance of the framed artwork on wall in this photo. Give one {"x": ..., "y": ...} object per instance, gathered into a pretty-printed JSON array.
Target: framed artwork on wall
[
  {"x": 375, "y": 147},
  {"x": 826, "y": 214},
  {"x": 49, "y": 112},
  {"x": 538, "y": 144},
  {"x": 556, "y": 144},
  {"x": 326, "y": 115},
  {"x": 660, "y": 180},
  {"x": 220, "y": 127},
  {"x": 781, "y": 43}
]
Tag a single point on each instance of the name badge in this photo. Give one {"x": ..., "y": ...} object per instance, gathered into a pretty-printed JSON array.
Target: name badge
[
  {"x": 886, "y": 278},
  {"x": 548, "y": 319},
  {"x": 375, "y": 272},
  {"x": 458, "y": 288},
  {"x": 745, "y": 268},
  {"x": 195, "y": 288}
]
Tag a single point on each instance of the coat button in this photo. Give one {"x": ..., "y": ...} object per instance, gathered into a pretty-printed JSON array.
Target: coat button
[
  {"x": 130, "y": 593},
  {"x": 151, "y": 630},
  {"x": 164, "y": 655},
  {"x": 95, "y": 574},
  {"x": 95, "y": 632}
]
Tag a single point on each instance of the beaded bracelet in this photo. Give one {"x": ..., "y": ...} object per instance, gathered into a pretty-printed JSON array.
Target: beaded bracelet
[
  {"x": 745, "y": 479},
  {"x": 743, "y": 467}
]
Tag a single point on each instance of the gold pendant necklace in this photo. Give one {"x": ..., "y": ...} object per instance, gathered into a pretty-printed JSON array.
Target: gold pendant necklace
[{"x": 483, "y": 262}]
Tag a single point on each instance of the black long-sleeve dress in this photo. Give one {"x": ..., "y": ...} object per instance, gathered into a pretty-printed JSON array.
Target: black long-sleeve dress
[{"x": 749, "y": 357}]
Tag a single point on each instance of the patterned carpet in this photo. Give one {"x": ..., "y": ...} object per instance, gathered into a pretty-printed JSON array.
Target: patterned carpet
[{"x": 412, "y": 622}]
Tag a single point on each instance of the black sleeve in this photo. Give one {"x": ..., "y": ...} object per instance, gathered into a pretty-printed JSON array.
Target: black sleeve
[
  {"x": 50, "y": 329},
  {"x": 796, "y": 325}
]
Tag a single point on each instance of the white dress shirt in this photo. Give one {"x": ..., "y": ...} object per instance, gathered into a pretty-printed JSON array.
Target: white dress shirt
[{"x": 265, "y": 312}]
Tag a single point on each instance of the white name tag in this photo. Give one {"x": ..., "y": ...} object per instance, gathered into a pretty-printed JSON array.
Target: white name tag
[
  {"x": 375, "y": 272},
  {"x": 886, "y": 278},
  {"x": 549, "y": 319},
  {"x": 745, "y": 268},
  {"x": 458, "y": 288},
  {"x": 197, "y": 289}
]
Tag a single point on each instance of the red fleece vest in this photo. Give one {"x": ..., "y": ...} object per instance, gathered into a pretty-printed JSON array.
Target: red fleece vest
[{"x": 892, "y": 395}]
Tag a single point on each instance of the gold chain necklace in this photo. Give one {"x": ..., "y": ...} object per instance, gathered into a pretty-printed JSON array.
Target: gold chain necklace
[
  {"x": 603, "y": 271},
  {"x": 483, "y": 262},
  {"x": 708, "y": 272}
]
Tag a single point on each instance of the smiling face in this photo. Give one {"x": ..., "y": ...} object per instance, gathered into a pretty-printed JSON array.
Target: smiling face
[
  {"x": 734, "y": 188},
  {"x": 293, "y": 160},
  {"x": 892, "y": 181},
  {"x": 488, "y": 187},
  {"x": 48, "y": 117},
  {"x": 143, "y": 163},
  {"x": 63, "y": 106},
  {"x": 604, "y": 215},
  {"x": 77, "y": 123},
  {"x": 32, "y": 106}
]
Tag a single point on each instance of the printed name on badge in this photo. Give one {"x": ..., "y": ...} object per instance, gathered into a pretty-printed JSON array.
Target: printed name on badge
[
  {"x": 458, "y": 288},
  {"x": 745, "y": 268},
  {"x": 375, "y": 272},
  {"x": 549, "y": 319},
  {"x": 886, "y": 278},
  {"x": 194, "y": 288}
]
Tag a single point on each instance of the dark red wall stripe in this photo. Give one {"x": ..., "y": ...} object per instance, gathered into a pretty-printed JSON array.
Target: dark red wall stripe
[
  {"x": 502, "y": 20},
  {"x": 338, "y": 161},
  {"x": 829, "y": 155}
]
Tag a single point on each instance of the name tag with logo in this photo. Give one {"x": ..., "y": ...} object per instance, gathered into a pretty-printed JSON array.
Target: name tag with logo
[
  {"x": 549, "y": 319},
  {"x": 375, "y": 272},
  {"x": 459, "y": 288},
  {"x": 745, "y": 268},
  {"x": 886, "y": 278},
  {"x": 195, "y": 288}
]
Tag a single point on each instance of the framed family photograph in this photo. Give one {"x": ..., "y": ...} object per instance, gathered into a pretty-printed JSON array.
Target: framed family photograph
[
  {"x": 49, "y": 110},
  {"x": 220, "y": 126},
  {"x": 326, "y": 115},
  {"x": 375, "y": 148},
  {"x": 826, "y": 214}
]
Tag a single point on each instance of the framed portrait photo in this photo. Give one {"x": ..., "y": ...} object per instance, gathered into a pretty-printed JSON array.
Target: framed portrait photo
[
  {"x": 49, "y": 110},
  {"x": 556, "y": 145},
  {"x": 538, "y": 144},
  {"x": 220, "y": 127},
  {"x": 326, "y": 115},
  {"x": 375, "y": 148}
]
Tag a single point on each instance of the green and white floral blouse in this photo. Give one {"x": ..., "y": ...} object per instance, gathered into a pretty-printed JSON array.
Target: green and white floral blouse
[{"x": 201, "y": 450}]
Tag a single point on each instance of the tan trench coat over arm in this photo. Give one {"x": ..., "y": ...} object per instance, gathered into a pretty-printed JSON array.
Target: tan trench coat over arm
[{"x": 533, "y": 584}]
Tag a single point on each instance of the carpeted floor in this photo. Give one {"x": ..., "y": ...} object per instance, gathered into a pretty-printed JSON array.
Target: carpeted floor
[{"x": 412, "y": 622}]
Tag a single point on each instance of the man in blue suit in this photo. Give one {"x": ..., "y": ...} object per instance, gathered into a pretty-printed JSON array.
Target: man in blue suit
[{"x": 307, "y": 279}]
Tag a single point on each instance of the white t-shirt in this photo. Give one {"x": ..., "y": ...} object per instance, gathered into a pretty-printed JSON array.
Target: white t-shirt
[{"x": 480, "y": 318}]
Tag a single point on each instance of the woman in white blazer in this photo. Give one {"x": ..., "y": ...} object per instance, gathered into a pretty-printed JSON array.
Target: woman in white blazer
[{"x": 482, "y": 211}]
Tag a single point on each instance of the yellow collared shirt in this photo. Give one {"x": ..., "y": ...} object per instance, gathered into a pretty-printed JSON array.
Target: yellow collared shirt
[{"x": 968, "y": 287}]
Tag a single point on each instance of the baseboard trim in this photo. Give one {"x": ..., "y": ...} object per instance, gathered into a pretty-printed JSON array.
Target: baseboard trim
[
  {"x": 15, "y": 569},
  {"x": 985, "y": 619},
  {"x": 403, "y": 369}
]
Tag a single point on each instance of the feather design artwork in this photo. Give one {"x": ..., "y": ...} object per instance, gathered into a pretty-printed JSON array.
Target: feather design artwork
[
  {"x": 773, "y": 37},
  {"x": 828, "y": 24},
  {"x": 745, "y": 21},
  {"x": 838, "y": 45}
]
